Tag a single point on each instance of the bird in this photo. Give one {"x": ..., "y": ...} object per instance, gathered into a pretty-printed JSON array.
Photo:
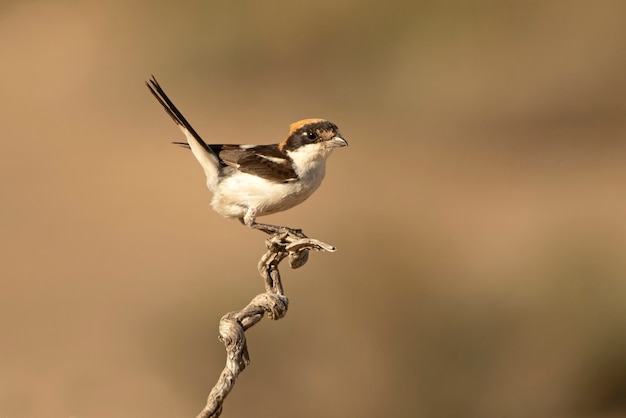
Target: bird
[{"x": 248, "y": 181}]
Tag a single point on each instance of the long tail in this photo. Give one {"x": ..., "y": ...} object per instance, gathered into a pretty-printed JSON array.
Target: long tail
[
  {"x": 172, "y": 110},
  {"x": 203, "y": 153}
]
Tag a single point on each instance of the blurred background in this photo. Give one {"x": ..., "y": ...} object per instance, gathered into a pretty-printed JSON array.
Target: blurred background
[{"x": 479, "y": 212}]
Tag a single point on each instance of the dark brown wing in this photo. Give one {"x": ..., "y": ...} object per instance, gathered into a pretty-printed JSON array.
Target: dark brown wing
[{"x": 265, "y": 161}]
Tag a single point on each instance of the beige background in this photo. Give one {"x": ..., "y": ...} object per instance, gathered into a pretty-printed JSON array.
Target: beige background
[{"x": 480, "y": 210}]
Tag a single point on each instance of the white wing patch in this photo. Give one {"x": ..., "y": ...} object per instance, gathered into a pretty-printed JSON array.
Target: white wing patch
[{"x": 276, "y": 160}]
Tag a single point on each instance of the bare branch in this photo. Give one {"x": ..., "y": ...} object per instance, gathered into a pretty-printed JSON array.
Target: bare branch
[{"x": 291, "y": 244}]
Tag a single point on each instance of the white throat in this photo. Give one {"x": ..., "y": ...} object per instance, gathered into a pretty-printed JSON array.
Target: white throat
[{"x": 309, "y": 158}]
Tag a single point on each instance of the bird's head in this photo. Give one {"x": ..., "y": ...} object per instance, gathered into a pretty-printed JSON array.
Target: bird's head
[{"x": 313, "y": 136}]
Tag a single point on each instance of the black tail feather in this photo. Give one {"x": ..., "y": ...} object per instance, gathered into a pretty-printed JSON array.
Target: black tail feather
[
  {"x": 174, "y": 113},
  {"x": 182, "y": 144}
]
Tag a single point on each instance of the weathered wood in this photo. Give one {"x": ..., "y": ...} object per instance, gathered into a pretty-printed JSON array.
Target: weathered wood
[{"x": 291, "y": 244}]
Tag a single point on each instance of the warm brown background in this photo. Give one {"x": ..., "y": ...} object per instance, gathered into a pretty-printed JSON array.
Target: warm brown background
[{"x": 480, "y": 210}]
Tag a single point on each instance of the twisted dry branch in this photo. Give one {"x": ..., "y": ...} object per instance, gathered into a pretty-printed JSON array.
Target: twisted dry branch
[{"x": 291, "y": 244}]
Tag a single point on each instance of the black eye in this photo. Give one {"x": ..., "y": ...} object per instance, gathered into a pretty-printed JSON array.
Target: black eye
[{"x": 311, "y": 135}]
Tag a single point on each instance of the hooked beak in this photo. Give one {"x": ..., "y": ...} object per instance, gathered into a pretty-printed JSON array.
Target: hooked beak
[{"x": 337, "y": 141}]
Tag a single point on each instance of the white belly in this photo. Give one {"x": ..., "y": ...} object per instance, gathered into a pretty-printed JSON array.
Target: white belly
[{"x": 236, "y": 194}]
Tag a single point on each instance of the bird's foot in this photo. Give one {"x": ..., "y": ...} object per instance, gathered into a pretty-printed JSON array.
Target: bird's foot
[
  {"x": 276, "y": 229},
  {"x": 273, "y": 229}
]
